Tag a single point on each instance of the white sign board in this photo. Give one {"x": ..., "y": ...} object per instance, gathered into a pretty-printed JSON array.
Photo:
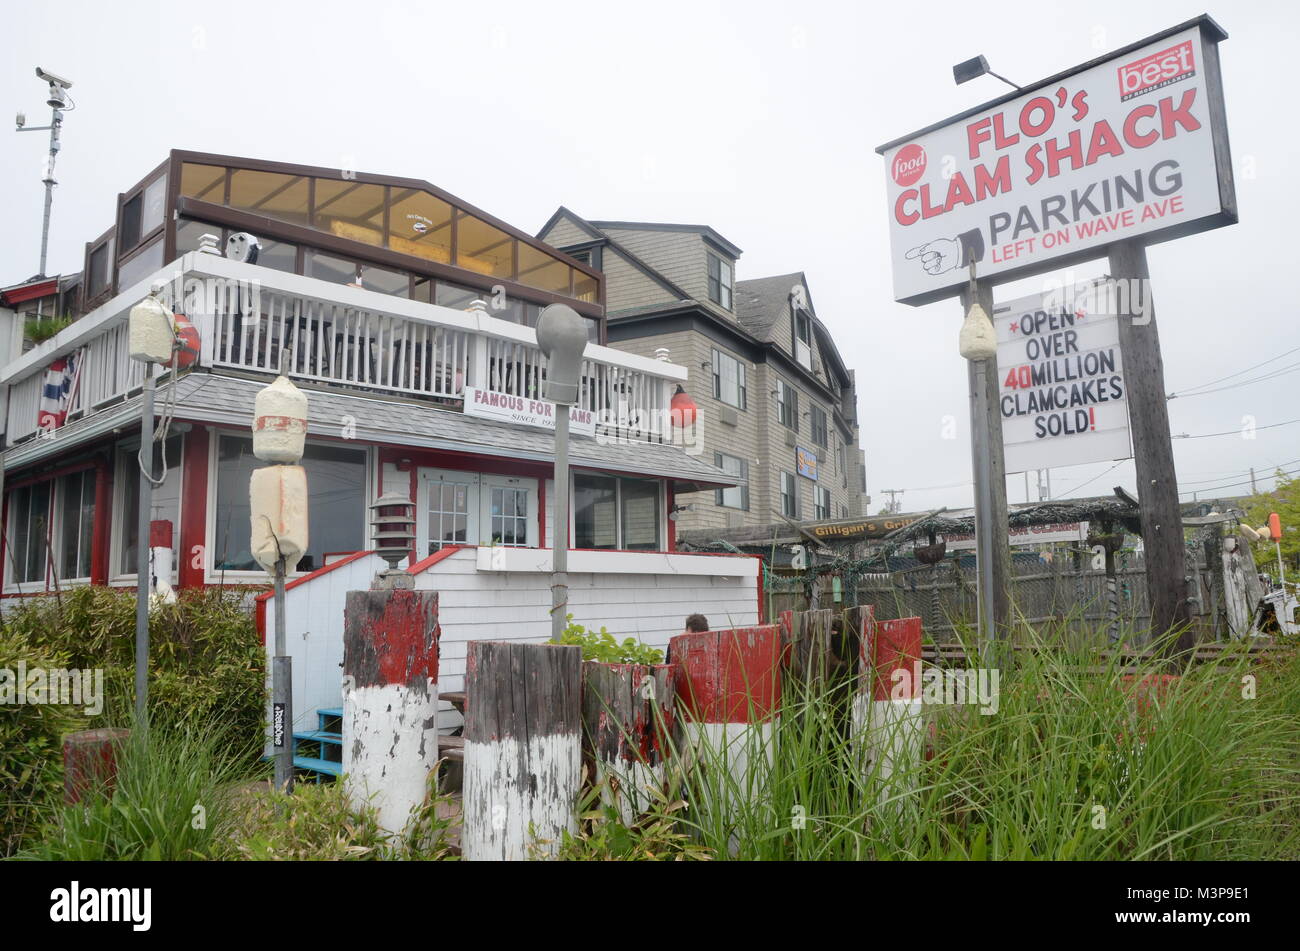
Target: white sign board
[
  {"x": 488, "y": 404},
  {"x": 1131, "y": 144},
  {"x": 1061, "y": 384},
  {"x": 1028, "y": 535}
]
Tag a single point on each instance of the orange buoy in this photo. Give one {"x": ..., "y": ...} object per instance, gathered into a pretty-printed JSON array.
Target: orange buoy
[
  {"x": 683, "y": 409},
  {"x": 187, "y": 335}
]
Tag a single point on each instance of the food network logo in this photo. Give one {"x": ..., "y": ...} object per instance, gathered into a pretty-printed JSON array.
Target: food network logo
[
  {"x": 1156, "y": 71},
  {"x": 908, "y": 165}
]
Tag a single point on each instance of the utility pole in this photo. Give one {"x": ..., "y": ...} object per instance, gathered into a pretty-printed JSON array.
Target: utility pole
[
  {"x": 57, "y": 102},
  {"x": 893, "y": 505},
  {"x": 989, "y": 467},
  {"x": 1253, "y": 490},
  {"x": 1153, "y": 452}
]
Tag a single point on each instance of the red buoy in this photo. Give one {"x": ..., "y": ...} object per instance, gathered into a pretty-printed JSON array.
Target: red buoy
[
  {"x": 188, "y": 336},
  {"x": 683, "y": 409}
]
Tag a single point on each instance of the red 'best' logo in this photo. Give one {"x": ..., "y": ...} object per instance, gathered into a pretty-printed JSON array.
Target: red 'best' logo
[
  {"x": 909, "y": 165},
  {"x": 1156, "y": 71}
]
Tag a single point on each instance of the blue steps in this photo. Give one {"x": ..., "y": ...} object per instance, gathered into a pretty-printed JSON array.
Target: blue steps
[{"x": 320, "y": 751}]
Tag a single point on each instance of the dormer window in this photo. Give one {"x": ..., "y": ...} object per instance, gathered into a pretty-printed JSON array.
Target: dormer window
[
  {"x": 719, "y": 281},
  {"x": 803, "y": 338}
]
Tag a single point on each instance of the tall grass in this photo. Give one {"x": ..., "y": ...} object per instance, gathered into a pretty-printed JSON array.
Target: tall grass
[
  {"x": 175, "y": 798},
  {"x": 1078, "y": 762}
]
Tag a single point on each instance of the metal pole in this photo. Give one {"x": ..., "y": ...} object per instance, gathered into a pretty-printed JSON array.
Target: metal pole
[
  {"x": 142, "y": 545},
  {"x": 49, "y": 186},
  {"x": 560, "y": 526},
  {"x": 983, "y": 514},
  {"x": 282, "y": 693}
]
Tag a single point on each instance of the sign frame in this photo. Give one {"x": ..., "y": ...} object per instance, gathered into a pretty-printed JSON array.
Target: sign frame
[{"x": 1210, "y": 35}]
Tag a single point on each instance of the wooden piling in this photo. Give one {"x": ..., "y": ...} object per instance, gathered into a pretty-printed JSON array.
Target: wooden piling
[
  {"x": 628, "y": 716},
  {"x": 90, "y": 762},
  {"x": 523, "y": 748}
]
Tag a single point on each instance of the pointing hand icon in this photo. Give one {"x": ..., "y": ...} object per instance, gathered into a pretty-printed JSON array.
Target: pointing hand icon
[{"x": 937, "y": 256}]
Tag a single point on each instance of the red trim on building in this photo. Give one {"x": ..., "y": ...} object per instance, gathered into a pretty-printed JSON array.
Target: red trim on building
[
  {"x": 194, "y": 520},
  {"x": 259, "y": 602},
  {"x": 422, "y": 566},
  {"x": 100, "y": 540},
  {"x": 16, "y": 295}
]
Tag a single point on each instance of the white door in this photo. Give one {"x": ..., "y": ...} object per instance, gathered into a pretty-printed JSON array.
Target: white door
[{"x": 449, "y": 506}]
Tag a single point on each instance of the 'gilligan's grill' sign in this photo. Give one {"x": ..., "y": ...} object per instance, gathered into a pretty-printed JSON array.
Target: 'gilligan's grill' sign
[{"x": 525, "y": 411}]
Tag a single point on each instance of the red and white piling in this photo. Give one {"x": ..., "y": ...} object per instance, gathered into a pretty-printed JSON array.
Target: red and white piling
[
  {"x": 390, "y": 700},
  {"x": 523, "y": 749},
  {"x": 888, "y": 725},
  {"x": 160, "y": 562},
  {"x": 729, "y": 697},
  {"x": 628, "y": 718}
]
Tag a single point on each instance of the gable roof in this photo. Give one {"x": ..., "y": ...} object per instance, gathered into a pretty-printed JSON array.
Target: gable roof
[
  {"x": 703, "y": 230},
  {"x": 761, "y": 302},
  {"x": 590, "y": 227}
]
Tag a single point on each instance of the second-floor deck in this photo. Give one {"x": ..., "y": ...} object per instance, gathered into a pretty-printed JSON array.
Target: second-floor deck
[{"x": 335, "y": 336}]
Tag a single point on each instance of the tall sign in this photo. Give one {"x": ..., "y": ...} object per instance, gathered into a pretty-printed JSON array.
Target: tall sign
[
  {"x": 1130, "y": 145},
  {"x": 1063, "y": 399}
]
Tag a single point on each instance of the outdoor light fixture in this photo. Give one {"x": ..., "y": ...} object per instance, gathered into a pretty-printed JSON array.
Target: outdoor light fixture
[
  {"x": 973, "y": 69},
  {"x": 562, "y": 337},
  {"x": 392, "y": 527}
]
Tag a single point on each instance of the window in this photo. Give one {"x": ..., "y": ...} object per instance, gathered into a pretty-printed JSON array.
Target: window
[
  {"x": 76, "y": 523},
  {"x": 148, "y": 260},
  {"x": 99, "y": 270},
  {"x": 131, "y": 222},
  {"x": 719, "y": 281},
  {"x": 271, "y": 194},
  {"x": 29, "y": 516},
  {"x": 803, "y": 338},
  {"x": 166, "y": 501},
  {"x": 842, "y": 466},
  {"x": 350, "y": 210},
  {"x": 509, "y": 516},
  {"x": 420, "y": 224},
  {"x": 818, "y": 426},
  {"x": 787, "y": 405},
  {"x": 728, "y": 379},
  {"x": 789, "y": 495},
  {"x": 336, "y": 481},
  {"x": 736, "y": 497},
  {"x": 821, "y": 503},
  {"x": 451, "y": 511},
  {"x": 484, "y": 249},
  {"x": 609, "y": 512},
  {"x": 844, "y": 510}
]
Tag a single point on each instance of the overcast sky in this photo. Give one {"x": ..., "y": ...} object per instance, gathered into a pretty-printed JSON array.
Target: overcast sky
[{"x": 759, "y": 119}]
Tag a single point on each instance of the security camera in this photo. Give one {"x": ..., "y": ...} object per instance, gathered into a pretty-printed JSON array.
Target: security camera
[{"x": 52, "y": 79}]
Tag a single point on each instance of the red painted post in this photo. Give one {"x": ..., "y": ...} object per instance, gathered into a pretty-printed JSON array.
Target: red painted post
[
  {"x": 888, "y": 725},
  {"x": 729, "y": 697},
  {"x": 390, "y": 700},
  {"x": 90, "y": 762},
  {"x": 628, "y": 720}
]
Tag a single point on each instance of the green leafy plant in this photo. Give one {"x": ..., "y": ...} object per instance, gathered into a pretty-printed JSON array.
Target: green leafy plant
[
  {"x": 43, "y": 328},
  {"x": 601, "y": 646}
]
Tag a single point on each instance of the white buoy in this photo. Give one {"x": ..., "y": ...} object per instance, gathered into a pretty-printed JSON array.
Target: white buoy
[
  {"x": 280, "y": 423},
  {"x": 277, "y": 498}
]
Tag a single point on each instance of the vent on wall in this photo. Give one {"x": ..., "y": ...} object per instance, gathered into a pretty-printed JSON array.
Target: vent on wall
[
  {"x": 735, "y": 520},
  {"x": 728, "y": 415},
  {"x": 789, "y": 437}
]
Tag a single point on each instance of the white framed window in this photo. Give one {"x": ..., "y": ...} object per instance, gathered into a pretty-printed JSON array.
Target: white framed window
[
  {"x": 817, "y": 420},
  {"x": 729, "y": 380},
  {"x": 450, "y": 509},
  {"x": 736, "y": 497},
  {"x": 76, "y": 524},
  {"x": 787, "y": 405},
  {"x": 821, "y": 503},
  {"x": 338, "y": 483},
  {"x": 803, "y": 339},
  {"x": 28, "y": 535},
  {"x": 720, "y": 281},
  {"x": 510, "y": 511},
  {"x": 611, "y": 512},
  {"x": 165, "y": 502},
  {"x": 789, "y": 494}
]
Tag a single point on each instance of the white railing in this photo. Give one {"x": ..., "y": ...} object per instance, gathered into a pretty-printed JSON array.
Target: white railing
[{"x": 335, "y": 335}]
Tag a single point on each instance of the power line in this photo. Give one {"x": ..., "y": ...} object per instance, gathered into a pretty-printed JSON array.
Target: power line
[
  {"x": 1232, "y": 386},
  {"x": 1239, "y": 372},
  {"x": 1233, "y": 432},
  {"x": 1093, "y": 479},
  {"x": 1233, "y": 485},
  {"x": 1229, "y": 475}
]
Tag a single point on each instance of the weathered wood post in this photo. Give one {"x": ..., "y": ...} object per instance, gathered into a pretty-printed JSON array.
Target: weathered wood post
[
  {"x": 628, "y": 716},
  {"x": 390, "y": 697},
  {"x": 729, "y": 696},
  {"x": 888, "y": 725},
  {"x": 523, "y": 748},
  {"x": 90, "y": 762}
]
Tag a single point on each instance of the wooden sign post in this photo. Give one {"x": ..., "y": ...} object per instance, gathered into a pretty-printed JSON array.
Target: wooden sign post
[{"x": 1153, "y": 450}]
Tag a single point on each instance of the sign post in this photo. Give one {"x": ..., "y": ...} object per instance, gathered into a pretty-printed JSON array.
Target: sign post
[{"x": 1098, "y": 161}]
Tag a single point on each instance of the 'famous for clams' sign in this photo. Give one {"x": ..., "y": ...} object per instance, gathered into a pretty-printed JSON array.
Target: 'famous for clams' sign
[{"x": 1131, "y": 144}]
